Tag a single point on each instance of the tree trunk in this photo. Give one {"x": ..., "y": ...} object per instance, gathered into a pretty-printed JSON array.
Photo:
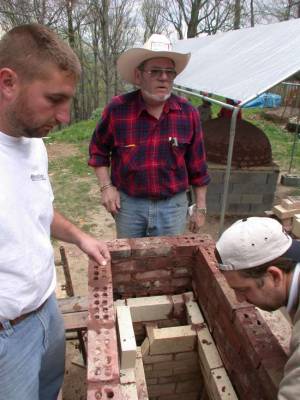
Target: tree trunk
[
  {"x": 252, "y": 13},
  {"x": 237, "y": 14},
  {"x": 71, "y": 39}
]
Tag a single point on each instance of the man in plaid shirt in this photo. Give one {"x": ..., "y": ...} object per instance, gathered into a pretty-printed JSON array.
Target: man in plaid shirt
[{"x": 153, "y": 142}]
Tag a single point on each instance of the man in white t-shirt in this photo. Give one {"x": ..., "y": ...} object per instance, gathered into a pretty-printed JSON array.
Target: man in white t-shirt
[{"x": 38, "y": 75}]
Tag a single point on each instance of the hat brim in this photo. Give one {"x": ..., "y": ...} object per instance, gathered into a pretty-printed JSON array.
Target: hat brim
[
  {"x": 293, "y": 253},
  {"x": 132, "y": 58}
]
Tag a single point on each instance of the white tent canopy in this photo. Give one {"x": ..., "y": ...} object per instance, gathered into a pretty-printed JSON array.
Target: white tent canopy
[{"x": 244, "y": 63}]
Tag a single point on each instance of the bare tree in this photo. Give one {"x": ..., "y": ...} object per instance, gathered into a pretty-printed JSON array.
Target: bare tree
[
  {"x": 278, "y": 10},
  {"x": 237, "y": 14},
  {"x": 198, "y": 16},
  {"x": 16, "y": 12},
  {"x": 152, "y": 15}
]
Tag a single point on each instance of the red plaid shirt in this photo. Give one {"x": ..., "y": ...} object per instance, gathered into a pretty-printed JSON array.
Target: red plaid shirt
[{"x": 144, "y": 161}]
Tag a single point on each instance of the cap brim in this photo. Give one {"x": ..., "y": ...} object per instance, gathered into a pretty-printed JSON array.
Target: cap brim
[
  {"x": 293, "y": 253},
  {"x": 132, "y": 58}
]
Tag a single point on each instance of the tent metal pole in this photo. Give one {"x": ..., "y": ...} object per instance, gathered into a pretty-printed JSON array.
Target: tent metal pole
[
  {"x": 228, "y": 167},
  {"x": 296, "y": 133}
]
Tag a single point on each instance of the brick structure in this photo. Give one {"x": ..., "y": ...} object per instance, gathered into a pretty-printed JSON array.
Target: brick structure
[
  {"x": 192, "y": 336},
  {"x": 251, "y": 190}
]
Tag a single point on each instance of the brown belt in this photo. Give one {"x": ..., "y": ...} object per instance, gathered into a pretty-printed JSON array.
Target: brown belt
[{"x": 22, "y": 317}]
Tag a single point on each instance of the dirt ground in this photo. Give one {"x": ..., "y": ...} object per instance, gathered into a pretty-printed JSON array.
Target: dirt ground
[{"x": 75, "y": 375}]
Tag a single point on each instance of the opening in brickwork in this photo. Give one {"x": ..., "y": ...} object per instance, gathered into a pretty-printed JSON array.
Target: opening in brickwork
[{"x": 166, "y": 350}]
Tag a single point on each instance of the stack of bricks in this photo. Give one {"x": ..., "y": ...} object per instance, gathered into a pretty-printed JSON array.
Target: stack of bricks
[
  {"x": 288, "y": 213},
  {"x": 246, "y": 349}
]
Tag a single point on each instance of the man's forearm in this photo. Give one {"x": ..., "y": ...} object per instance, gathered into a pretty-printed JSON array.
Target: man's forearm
[
  {"x": 200, "y": 196},
  {"x": 102, "y": 174},
  {"x": 63, "y": 229}
]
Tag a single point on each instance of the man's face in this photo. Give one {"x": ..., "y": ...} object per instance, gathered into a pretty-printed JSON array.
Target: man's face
[
  {"x": 41, "y": 104},
  {"x": 156, "y": 86},
  {"x": 264, "y": 292}
]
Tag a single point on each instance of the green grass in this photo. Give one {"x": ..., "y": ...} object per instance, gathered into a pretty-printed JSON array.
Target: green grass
[
  {"x": 72, "y": 179},
  {"x": 75, "y": 133}
]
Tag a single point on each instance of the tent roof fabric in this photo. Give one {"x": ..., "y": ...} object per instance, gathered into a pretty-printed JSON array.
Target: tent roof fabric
[{"x": 244, "y": 63}]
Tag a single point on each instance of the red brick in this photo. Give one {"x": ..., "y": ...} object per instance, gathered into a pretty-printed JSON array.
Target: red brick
[
  {"x": 151, "y": 247},
  {"x": 155, "y": 274},
  {"x": 270, "y": 374},
  {"x": 257, "y": 339},
  {"x": 226, "y": 297},
  {"x": 119, "y": 248}
]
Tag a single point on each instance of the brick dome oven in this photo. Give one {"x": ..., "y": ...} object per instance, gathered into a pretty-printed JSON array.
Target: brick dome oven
[
  {"x": 254, "y": 175},
  {"x": 251, "y": 146}
]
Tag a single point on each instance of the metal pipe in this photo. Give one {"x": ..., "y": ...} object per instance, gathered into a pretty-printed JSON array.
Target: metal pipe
[
  {"x": 201, "y": 96},
  {"x": 295, "y": 134},
  {"x": 228, "y": 166}
]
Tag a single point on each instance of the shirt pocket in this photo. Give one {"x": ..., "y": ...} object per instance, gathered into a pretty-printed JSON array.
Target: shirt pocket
[{"x": 177, "y": 154}]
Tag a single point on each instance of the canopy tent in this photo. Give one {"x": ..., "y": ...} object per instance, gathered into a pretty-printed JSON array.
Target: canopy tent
[
  {"x": 244, "y": 63},
  {"x": 240, "y": 65}
]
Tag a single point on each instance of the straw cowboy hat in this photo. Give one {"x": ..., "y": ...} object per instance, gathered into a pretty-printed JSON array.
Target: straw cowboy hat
[{"x": 157, "y": 46}]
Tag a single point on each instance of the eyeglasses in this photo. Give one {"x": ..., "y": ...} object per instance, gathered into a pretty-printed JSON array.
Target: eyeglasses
[{"x": 156, "y": 73}]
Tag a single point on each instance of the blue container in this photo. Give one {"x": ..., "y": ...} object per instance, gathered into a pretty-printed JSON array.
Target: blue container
[{"x": 265, "y": 100}]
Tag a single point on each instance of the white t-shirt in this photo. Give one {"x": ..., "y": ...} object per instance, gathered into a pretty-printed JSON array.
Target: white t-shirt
[{"x": 27, "y": 273}]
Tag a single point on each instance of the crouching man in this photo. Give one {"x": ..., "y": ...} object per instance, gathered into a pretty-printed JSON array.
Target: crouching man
[{"x": 261, "y": 263}]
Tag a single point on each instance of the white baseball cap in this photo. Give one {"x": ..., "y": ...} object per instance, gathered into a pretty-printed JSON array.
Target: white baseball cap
[
  {"x": 157, "y": 46},
  {"x": 251, "y": 242}
]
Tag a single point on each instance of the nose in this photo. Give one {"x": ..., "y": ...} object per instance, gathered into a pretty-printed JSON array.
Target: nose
[
  {"x": 163, "y": 76},
  {"x": 62, "y": 115}
]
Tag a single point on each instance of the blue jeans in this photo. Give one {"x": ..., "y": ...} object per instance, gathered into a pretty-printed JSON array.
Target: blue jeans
[
  {"x": 32, "y": 355},
  {"x": 140, "y": 217}
]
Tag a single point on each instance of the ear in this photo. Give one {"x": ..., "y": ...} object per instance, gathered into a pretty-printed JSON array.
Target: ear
[
  {"x": 137, "y": 76},
  {"x": 276, "y": 274},
  {"x": 8, "y": 82}
]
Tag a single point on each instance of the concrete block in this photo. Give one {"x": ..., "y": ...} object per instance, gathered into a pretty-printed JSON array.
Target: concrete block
[
  {"x": 150, "y": 308},
  {"x": 157, "y": 358},
  {"x": 129, "y": 391},
  {"x": 161, "y": 389},
  {"x": 188, "y": 386},
  {"x": 220, "y": 385},
  {"x": 288, "y": 204},
  {"x": 283, "y": 213},
  {"x": 194, "y": 315},
  {"x": 157, "y": 373},
  {"x": 187, "y": 355},
  {"x": 127, "y": 375},
  {"x": 191, "y": 364},
  {"x": 141, "y": 384},
  {"x": 126, "y": 337},
  {"x": 251, "y": 198},
  {"x": 209, "y": 357},
  {"x": 118, "y": 303},
  {"x": 172, "y": 340},
  {"x": 178, "y": 305},
  {"x": 145, "y": 347}
]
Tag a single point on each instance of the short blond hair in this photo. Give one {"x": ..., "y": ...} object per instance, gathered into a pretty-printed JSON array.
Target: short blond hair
[{"x": 29, "y": 49}]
